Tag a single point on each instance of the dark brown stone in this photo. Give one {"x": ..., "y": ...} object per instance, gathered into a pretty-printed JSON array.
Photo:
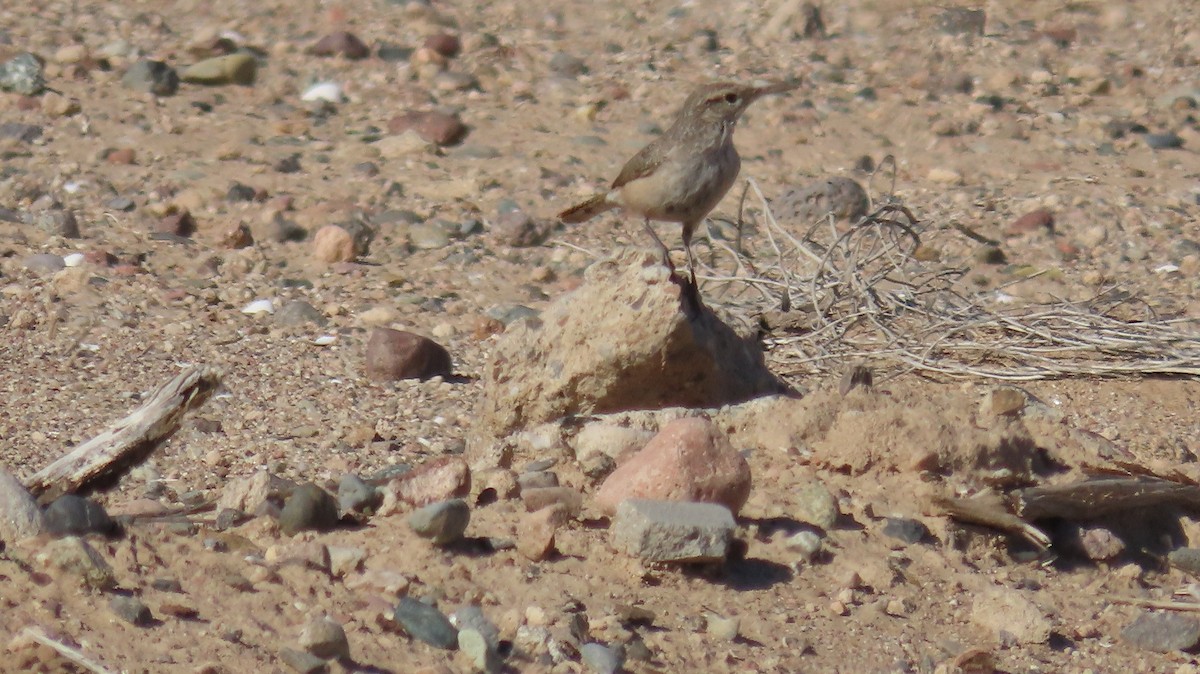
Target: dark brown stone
[{"x": 396, "y": 354}]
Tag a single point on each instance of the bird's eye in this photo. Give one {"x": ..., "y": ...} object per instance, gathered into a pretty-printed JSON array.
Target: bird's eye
[{"x": 731, "y": 98}]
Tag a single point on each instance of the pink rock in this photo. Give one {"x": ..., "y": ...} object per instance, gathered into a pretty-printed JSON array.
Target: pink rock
[
  {"x": 445, "y": 44},
  {"x": 396, "y": 354},
  {"x": 434, "y": 127},
  {"x": 438, "y": 480},
  {"x": 179, "y": 223},
  {"x": 344, "y": 43},
  {"x": 333, "y": 244},
  {"x": 535, "y": 533},
  {"x": 1032, "y": 221},
  {"x": 689, "y": 460}
]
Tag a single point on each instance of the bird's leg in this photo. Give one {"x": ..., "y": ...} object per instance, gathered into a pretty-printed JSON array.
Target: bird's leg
[
  {"x": 666, "y": 252},
  {"x": 691, "y": 290},
  {"x": 688, "y": 229}
]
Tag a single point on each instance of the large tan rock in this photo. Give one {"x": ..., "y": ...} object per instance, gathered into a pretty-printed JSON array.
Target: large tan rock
[
  {"x": 689, "y": 460},
  {"x": 624, "y": 340}
]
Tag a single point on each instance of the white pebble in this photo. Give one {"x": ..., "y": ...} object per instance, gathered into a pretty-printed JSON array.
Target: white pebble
[
  {"x": 73, "y": 260},
  {"x": 806, "y": 543},
  {"x": 325, "y": 340},
  {"x": 323, "y": 91},
  {"x": 259, "y": 307},
  {"x": 1166, "y": 269}
]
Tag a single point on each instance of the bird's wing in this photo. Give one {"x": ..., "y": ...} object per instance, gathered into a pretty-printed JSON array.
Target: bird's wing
[{"x": 642, "y": 164}]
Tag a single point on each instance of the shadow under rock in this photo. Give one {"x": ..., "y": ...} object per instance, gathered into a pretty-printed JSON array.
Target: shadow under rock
[{"x": 753, "y": 574}]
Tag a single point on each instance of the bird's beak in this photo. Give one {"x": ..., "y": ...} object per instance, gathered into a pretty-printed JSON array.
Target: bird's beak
[{"x": 763, "y": 88}]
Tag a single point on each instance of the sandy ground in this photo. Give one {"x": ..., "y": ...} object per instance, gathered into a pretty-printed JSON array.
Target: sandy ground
[{"x": 79, "y": 346}]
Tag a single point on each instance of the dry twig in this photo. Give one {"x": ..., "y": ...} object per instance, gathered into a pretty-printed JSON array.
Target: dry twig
[
  {"x": 878, "y": 290},
  {"x": 73, "y": 654},
  {"x": 129, "y": 440}
]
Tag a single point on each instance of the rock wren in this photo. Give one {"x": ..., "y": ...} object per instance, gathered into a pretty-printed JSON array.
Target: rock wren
[{"x": 684, "y": 173}]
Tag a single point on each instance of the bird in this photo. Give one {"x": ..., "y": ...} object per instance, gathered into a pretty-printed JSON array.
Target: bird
[{"x": 684, "y": 173}]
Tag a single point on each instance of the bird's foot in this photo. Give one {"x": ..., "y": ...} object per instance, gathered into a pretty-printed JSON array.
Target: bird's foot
[{"x": 689, "y": 295}]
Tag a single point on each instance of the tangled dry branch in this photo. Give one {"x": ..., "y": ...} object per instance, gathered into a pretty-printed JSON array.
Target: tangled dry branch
[{"x": 878, "y": 291}]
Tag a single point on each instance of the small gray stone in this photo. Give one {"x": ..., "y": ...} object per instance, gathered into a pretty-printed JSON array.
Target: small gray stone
[
  {"x": 844, "y": 197},
  {"x": 299, "y": 312},
  {"x": 537, "y": 480},
  {"x": 357, "y": 496},
  {"x": 471, "y": 617},
  {"x": 56, "y": 222},
  {"x": 239, "y": 192},
  {"x": 120, "y": 204},
  {"x": 428, "y": 236},
  {"x": 20, "y": 517},
  {"x": 154, "y": 77},
  {"x": 481, "y": 653},
  {"x": 344, "y": 560},
  {"x": 673, "y": 531},
  {"x": 325, "y": 638},
  {"x": 567, "y": 65},
  {"x": 514, "y": 227},
  {"x": 302, "y": 662},
  {"x": 816, "y": 506},
  {"x": 22, "y": 74},
  {"x": 511, "y": 314},
  {"x": 477, "y": 151},
  {"x": 44, "y": 263},
  {"x": 1186, "y": 560},
  {"x": 805, "y": 543},
  {"x": 1163, "y": 632},
  {"x": 71, "y": 515},
  {"x": 308, "y": 508},
  {"x": 1164, "y": 141},
  {"x": 26, "y": 133},
  {"x": 426, "y": 623},
  {"x": 600, "y": 658},
  {"x": 961, "y": 21},
  {"x": 722, "y": 628},
  {"x": 131, "y": 610},
  {"x": 904, "y": 529},
  {"x": 443, "y": 522}
]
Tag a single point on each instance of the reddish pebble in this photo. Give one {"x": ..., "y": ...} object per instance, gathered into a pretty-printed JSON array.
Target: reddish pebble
[
  {"x": 29, "y": 103},
  {"x": 535, "y": 533},
  {"x": 484, "y": 327},
  {"x": 445, "y": 44},
  {"x": 237, "y": 236},
  {"x": 100, "y": 258},
  {"x": 1067, "y": 249},
  {"x": 438, "y": 480},
  {"x": 123, "y": 156},
  {"x": 1060, "y": 35},
  {"x": 435, "y": 127},
  {"x": 127, "y": 270},
  {"x": 1031, "y": 221},
  {"x": 689, "y": 460},
  {"x": 179, "y": 223},
  {"x": 344, "y": 43},
  {"x": 396, "y": 354}
]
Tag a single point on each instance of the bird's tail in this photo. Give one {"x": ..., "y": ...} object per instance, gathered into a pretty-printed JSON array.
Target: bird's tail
[{"x": 587, "y": 210}]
